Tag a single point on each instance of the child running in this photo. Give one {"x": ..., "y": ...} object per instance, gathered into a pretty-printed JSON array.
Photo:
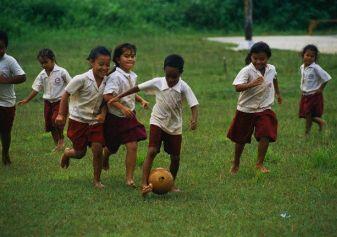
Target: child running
[
  {"x": 121, "y": 125},
  {"x": 166, "y": 117},
  {"x": 10, "y": 73},
  {"x": 313, "y": 82},
  {"x": 257, "y": 84},
  {"x": 85, "y": 93},
  {"x": 51, "y": 80}
]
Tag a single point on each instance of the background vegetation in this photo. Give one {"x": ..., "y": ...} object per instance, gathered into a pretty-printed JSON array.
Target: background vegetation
[{"x": 221, "y": 15}]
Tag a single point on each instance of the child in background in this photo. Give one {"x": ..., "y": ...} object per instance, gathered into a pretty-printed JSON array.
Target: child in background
[
  {"x": 121, "y": 125},
  {"x": 166, "y": 116},
  {"x": 313, "y": 82},
  {"x": 10, "y": 73},
  {"x": 257, "y": 84},
  {"x": 85, "y": 92},
  {"x": 51, "y": 80}
]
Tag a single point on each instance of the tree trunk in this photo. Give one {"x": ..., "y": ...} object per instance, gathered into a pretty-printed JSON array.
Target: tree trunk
[{"x": 248, "y": 19}]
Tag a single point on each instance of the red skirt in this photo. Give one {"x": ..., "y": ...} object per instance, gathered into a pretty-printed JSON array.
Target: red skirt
[
  {"x": 50, "y": 113},
  {"x": 311, "y": 104}
]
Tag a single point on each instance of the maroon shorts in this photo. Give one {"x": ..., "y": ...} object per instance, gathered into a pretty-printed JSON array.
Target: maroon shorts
[
  {"x": 50, "y": 113},
  {"x": 7, "y": 115},
  {"x": 83, "y": 134},
  {"x": 119, "y": 131},
  {"x": 311, "y": 104},
  {"x": 172, "y": 143},
  {"x": 243, "y": 125}
]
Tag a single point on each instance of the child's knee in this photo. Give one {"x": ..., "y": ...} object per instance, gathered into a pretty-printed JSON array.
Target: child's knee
[{"x": 152, "y": 152}]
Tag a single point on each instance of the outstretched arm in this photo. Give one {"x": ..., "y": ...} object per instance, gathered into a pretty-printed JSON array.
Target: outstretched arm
[
  {"x": 277, "y": 91},
  {"x": 12, "y": 80},
  {"x": 128, "y": 92},
  {"x": 144, "y": 103},
  {"x": 29, "y": 98},
  {"x": 194, "y": 118}
]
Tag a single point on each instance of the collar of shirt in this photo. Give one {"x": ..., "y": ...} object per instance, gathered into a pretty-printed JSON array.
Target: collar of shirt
[
  {"x": 90, "y": 75},
  {"x": 55, "y": 69},
  {"x": 311, "y": 65},
  {"x": 3, "y": 57},
  {"x": 251, "y": 65},
  {"x": 124, "y": 73},
  {"x": 176, "y": 87}
]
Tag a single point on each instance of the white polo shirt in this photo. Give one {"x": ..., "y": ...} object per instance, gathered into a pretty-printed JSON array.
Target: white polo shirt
[
  {"x": 117, "y": 82},
  {"x": 167, "y": 112},
  {"x": 258, "y": 98},
  {"x": 312, "y": 77},
  {"x": 9, "y": 67},
  {"x": 52, "y": 85},
  {"x": 86, "y": 98}
]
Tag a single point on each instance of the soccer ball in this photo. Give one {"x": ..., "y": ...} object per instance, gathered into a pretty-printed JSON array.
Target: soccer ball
[{"x": 161, "y": 180}]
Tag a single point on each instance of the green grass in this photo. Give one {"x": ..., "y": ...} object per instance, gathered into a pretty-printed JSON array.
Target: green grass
[{"x": 39, "y": 199}]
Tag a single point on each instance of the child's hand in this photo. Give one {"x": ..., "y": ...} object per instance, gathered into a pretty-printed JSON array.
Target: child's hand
[
  {"x": 23, "y": 102},
  {"x": 127, "y": 112},
  {"x": 60, "y": 120},
  {"x": 144, "y": 104},
  {"x": 100, "y": 118},
  {"x": 115, "y": 99},
  {"x": 279, "y": 99},
  {"x": 193, "y": 124},
  {"x": 257, "y": 82}
]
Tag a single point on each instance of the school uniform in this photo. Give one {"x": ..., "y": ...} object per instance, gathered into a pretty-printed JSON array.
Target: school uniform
[
  {"x": 166, "y": 116},
  {"x": 312, "y": 102},
  {"x": 254, "y": 107},
  {"x": 9, "y": 67},
  {"x": 84, "y": 105},
  {"x": 117, "y": 128},
  {"x": 53, "y": 89}
]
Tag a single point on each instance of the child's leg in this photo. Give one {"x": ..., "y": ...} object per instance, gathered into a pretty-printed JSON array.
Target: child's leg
[
  {"x": 97, "y": 163},
  {"x": 105, "y": 158},
  {"x": 320, "y": 122},
  {"x": 308, "y": 123},
  {"x": 151, "y": 154},
  {"x": 174, "y": 167},
  {"x": 237, "y": 155},
  {"x": 130, "y": 162},
  {"x": 70, "y": 153},
  {"x": 262, "y": 150},
  {"x": 6, "y": 142}
]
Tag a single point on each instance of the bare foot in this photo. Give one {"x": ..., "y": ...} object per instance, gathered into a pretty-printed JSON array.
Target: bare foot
[
  {"x": 175, "y": 190},
  {"x": 105, "y": 161},
  {"x": 64, "y": 162},
  {"x": 234, "y": 169},
  {"x": 321, "y": 124},
  {"x": 262, "y": 168},
  {"x": 131, "y": 184},
  {"x": 98, "y": 185},
  {"x": 146, "y": 189},
  {"x": 6, "y": 160}
]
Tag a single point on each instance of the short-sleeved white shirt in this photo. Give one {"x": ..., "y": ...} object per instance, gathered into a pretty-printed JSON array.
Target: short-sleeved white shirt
[
  {"x": 117, "y": 82},
  {"x": 167, "y": 112},
  {"x": 52, "y": 85},
  {"x": 9, "y": 67},
  {"x": 85, "y": 97},
  {"x": 312, "y": 77},
  {"x": 258, "y": 98}
]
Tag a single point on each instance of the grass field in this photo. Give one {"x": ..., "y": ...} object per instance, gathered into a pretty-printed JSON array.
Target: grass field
[{"x": 38, "y": 198}]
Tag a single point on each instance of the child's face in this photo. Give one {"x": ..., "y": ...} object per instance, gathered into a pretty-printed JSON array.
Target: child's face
[
  {"x": 259, "y": 60},
  {"x": 309, "y": 57},
  {"x": 47, "y": 63},
  {"x": 100, "y": 66},
  {"x": 172, "y": 75},
  {"x": 127, "y": 60},
  {"x": 2, "y": 48}
]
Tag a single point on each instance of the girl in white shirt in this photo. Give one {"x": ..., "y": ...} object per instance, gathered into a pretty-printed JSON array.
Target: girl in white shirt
[
  {"x": 313, "y": 82},
  {"x": 51, "y": 80}
]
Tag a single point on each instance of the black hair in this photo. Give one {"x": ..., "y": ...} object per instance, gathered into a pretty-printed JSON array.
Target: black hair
[
  {"x": 312, "y": 48},
  {"x": 99, "y": 50},
  {"x": 46, "y": 53},
  {"x": 4, "y": 37},
  {"x": 259, "y": 47},
  {"x": 176, "y": 61}
]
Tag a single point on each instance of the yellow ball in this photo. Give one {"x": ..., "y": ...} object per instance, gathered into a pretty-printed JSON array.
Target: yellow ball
[{"x": 161, "y": 180}]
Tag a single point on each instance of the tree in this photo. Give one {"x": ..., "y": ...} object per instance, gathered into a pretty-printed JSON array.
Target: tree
[{"x": 248, "y": 5}]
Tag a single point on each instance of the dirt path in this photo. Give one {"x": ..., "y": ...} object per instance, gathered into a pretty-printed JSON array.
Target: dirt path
[{"x": 325, "y": 44}]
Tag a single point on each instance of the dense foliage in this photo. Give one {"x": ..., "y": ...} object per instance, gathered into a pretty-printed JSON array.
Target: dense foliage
[{"x": 224, "y": 15}]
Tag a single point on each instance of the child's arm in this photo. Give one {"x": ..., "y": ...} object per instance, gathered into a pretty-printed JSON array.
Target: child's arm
[
  {"x": 63, "y": 110},
  {"x": 104, "y": 110},
  {"x": 144, "y": 103},
  {"x": 194, "y": 118},
  {"x": 12, "y": 80},
  {"x": 125, "y": 110},
  {"x": 277, "y": 91},
  {"x": 118, "y": 97},
  {"x": 29, "y": 98},
  {"x": 246, "y": 86},
  {"x": 321, "y": 88}
]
